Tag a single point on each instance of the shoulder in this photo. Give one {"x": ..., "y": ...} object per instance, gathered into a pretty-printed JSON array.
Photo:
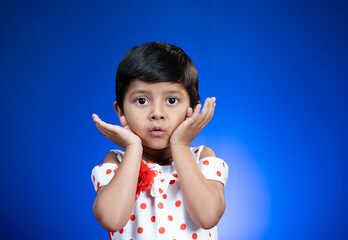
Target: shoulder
[
  {"x": 111, "y": 157},
  {"x": 206, "y": 152}
]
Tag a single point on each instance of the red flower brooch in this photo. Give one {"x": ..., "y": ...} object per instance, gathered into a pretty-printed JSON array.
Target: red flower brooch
[{"x": 146, "y": 177}]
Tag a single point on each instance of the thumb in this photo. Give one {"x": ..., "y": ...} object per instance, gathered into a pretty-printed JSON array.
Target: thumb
[{"x": 123, "y": 121}]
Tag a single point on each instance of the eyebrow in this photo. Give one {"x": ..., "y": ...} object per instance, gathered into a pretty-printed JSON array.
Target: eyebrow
[
  {"x": 173, "y": 92},
  {"x": 136, "y": 92}
]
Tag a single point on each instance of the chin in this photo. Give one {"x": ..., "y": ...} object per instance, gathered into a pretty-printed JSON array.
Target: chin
[{"x": 157, "y": 145}]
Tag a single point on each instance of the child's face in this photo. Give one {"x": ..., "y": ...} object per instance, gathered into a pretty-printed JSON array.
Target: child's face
[{"x": 154, "y": 110}]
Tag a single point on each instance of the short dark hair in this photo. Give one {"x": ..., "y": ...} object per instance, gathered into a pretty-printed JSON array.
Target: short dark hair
[{"x": 157, "y": 62}]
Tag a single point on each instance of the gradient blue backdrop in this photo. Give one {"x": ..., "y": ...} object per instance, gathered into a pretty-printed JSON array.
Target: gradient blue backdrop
[{"x": 279, "y": 72}]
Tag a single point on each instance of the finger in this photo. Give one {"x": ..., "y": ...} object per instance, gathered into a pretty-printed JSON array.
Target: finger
[
  {"x": 197, "y": 110},
  {"x": 97, "y": 121},
  {"x": 109, "y": 130},
  {"x": 206, "y": 106},
  {"x": 106, "y": 126},
  {"x": 209, "y": 102},
  {"x": 207, "y": 112},
  {"x": 211, "y": 105},
  {"x": 103, "y": 127},
  {"x": 103, "y": 131},
  {"x": 95, "y": 117},
  {"x": 123, "y": 121},
  {"x": 211, "y": 109},
  {"x": 195, "y": 116}
]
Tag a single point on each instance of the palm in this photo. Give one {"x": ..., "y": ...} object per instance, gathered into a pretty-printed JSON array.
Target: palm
[
  {"x": 194, "y": 123},
  {"x": 121, "y": 136}
]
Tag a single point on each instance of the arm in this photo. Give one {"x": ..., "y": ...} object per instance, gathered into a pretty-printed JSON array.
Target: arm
[
  {"x": 114, "y": 202},
  {"x": 199, "y": 193}
]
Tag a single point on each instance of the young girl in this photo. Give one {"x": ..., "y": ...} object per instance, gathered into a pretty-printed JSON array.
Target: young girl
[{"x": 159, "y": 187}]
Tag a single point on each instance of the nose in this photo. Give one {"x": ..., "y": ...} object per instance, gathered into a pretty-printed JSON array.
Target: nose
[{"x": 156, "y": 112}]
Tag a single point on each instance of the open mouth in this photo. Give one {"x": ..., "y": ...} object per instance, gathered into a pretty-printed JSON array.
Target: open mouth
[{"x": 157, "y": 131}]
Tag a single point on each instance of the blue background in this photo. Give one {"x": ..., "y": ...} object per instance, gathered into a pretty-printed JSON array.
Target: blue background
[{"x": 279, "y": 72}]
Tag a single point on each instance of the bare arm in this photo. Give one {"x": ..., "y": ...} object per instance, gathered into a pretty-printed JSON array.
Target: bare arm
[
  {"x": 115, "y": 202},
  {"x": 204, "y": 198}
]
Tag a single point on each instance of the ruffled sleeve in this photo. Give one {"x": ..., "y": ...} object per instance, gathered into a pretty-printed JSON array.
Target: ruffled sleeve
[
  {"x": 102, "y": 174},
  {"x": 214, "y": 168}
]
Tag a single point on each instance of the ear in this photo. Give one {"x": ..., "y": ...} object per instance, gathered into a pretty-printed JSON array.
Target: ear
[
  {"x": 189, "y": 112},
  {"x": 120, "y": 115},
  {"x": 118, "y": 110}
]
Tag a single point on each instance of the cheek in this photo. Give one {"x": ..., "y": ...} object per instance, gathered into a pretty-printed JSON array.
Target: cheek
[
  {"x": 134, "y": 123},
  {"x": 137, "y": 128},
  {"x": 180, "y": 117}
]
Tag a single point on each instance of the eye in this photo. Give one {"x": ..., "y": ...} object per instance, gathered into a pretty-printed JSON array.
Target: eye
[
  {"x": 141, "y": 101},
  {"x": 172, "y": 100}
]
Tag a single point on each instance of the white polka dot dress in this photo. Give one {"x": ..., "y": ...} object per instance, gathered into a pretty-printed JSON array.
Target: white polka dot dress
[{"x": 160, "y": 213}]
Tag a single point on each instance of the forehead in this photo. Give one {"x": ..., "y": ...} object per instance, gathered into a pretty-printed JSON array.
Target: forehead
[{"x": 138, "y": 87}]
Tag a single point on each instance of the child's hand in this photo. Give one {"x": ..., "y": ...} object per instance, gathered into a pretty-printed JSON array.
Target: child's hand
[
  {"x": 121, "y": 136},
  {"x": 194, "y": 123}
]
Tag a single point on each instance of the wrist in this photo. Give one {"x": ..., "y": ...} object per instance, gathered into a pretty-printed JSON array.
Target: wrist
[
  {"x": 179, "y": 143},
  {"x": 179, "y": 146},
  {"x": 134, "y": 146}
]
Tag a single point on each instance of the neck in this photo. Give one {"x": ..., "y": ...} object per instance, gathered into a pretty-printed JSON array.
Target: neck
[{"x": 161, "y": 157}]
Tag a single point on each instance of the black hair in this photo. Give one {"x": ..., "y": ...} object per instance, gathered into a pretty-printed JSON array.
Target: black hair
[{"x": 157, "y": 62}]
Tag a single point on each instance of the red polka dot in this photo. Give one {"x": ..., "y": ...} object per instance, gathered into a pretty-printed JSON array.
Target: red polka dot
[
  {"x": 178, "y": 203},
  {"x": 100, "y": 165},
  {"x": 209, "y": 234},
  {"x": 172, "y": 182},
  {"x": 161, "y": 230},
  {"x": 164, "y": 196},
  {"x": 170, "y": 218},
  {"x": 121, "y": 230},
  {"x": 206, "y": 162},
  {"x": 143, "y": 206},
  {"x": 108, "y": 171},
  {"x": 98, "y": 185},
  {"x": 160, "y": 205},
  {"x": 160, "y": 190},
  {"x": 132, "y": 218},
  {"x": 197, "y": 151},
  {"x": 183, "y": 226},
  {"x": 194, "y": 236},
  {"x": 140, "y": 230},
  {"x": 175, "y": 175},
  {"x": 223, "y": 164},
  {"x": 115, "y": 170},
  {"x": 162, "y": 180},
  {"x": 153, "y": 219},
  {"x": 93, "y": 178},
  {"x": 218, "y": 173}
]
